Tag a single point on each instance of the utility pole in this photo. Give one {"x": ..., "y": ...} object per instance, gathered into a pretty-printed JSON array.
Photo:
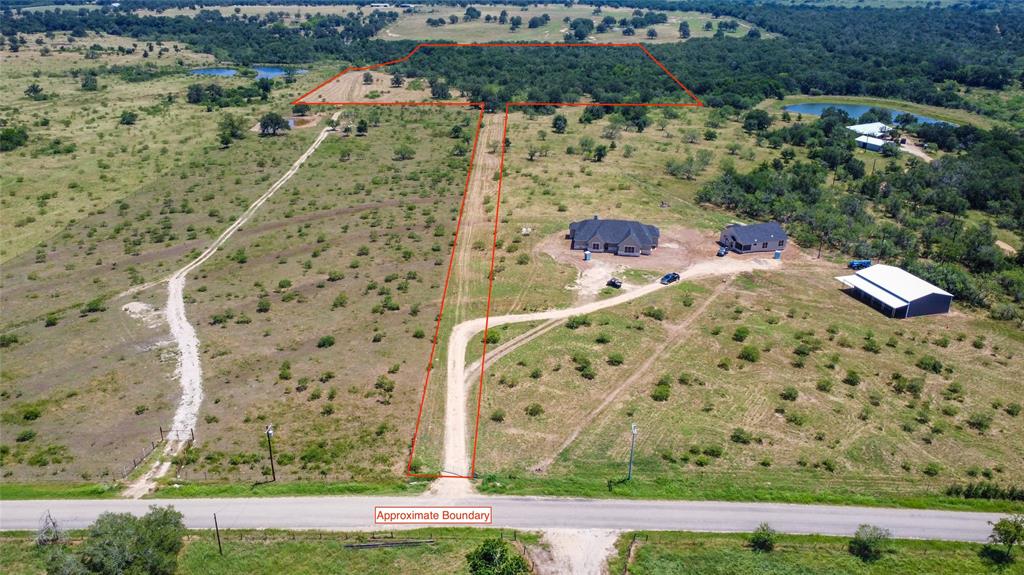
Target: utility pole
[
  {"x": 270, "y": 447},
  {"x": 632, "y": 446}
]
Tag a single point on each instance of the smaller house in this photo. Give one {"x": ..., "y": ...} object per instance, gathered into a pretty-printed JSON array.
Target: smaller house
[
  {"x": 874, "y": 129},
  {"x": 745, "y": 239},
  {"x": 869, "y": 143},
  {"x": 619, "y": 237},
  {"x": 896, "y": 292}
]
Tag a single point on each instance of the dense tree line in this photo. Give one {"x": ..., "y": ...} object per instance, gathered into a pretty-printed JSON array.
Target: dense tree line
[
  {"x": 916, "y": 217},
  {"x": 914, "y": 54}
]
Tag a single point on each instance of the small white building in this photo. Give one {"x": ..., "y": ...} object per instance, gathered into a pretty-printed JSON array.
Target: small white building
[
  {"x": 874, "y": 129},
  {"x": 869, "y": 143},
  {"x": 896, "y": 292}
]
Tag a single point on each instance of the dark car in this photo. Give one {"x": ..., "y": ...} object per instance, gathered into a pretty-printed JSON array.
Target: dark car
[
  {"x": 669, "y": 278},
  {"x": 615, "y": 283},
  {"x": 722, "y": 251}
]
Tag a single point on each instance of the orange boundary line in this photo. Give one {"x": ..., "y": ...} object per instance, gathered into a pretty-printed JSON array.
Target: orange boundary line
[{"x": 501, "y": 178}]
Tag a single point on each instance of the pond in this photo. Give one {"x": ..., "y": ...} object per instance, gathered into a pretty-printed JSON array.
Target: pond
[
  {"x": 261, "y": 71},
  {"x": 854, "y": 110}
]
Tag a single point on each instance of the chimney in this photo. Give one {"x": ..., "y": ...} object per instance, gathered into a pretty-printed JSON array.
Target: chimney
[{"x": 595, "y": 216}]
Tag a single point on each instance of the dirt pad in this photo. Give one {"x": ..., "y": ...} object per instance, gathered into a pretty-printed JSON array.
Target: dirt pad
[{"x": 350, "y": 87}]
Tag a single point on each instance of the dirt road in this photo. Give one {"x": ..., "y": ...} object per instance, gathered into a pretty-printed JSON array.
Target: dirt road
[
  {"x": 456, "y": 456},
  {"x": 189, "y": 370}
]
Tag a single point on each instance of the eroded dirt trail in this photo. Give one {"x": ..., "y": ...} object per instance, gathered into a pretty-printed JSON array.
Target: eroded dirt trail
[{"x": 189, "y": 370}]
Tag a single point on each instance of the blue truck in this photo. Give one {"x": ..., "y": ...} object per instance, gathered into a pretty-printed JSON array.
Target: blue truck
[{"x": 859, "y": 264}]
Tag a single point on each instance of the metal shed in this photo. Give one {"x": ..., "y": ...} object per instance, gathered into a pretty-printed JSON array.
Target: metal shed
[{"x": 896, "y": 292}]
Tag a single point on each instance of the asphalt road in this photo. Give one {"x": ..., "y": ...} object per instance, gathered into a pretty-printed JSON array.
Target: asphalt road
[{"x": 356, "y": 513}]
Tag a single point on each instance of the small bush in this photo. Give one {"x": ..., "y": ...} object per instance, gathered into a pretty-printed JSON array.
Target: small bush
[
  {"x": 654, "y": 313},
  {"x": 932, "y": 469},
  {"x": 790, "y": 393},
  {"x": 741, "y": 436},
  {"x": 26, "y": 435},
  {"x": 1013, "y": 410},
  {"x": 741, "y": 333},
  {"x": 534, "y": 409},
  {"x": 979, "y": 421},
  {"x": 824, "y": 385},
  {"x": 763, "y": 539},
  {"x": 929, "y": 363},
  {"x": 615, "y": 358},
  {"x": 869, "y": 543},
  {"x": 661, "y": 392},
  {"x": 325, "y": 341},
  {"x": 852, "y": 378},
  {"x": 498, "y": 415},
  {"x": 750, "y": 354},
  {"x": 577, "y": 321}
]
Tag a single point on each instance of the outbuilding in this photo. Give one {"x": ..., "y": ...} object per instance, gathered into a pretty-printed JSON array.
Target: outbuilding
[
  {"x": 874, "y": 129},
  {"x": 896, "y": 292},
  {"x": 745, "y": 239},
  {"x": 869, "y": 143}
]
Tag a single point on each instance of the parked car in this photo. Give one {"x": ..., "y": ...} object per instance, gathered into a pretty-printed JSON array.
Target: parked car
[
  {"x": 722, "y": 251},
  {"x": 669, "y": 278},
  {"x": 615, "y": 283},
  {"x": 859, "y": 264}
]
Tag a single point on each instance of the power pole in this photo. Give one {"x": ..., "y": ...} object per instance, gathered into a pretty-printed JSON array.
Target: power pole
[
  {"x": 632, "y": 447},
  {"x": 270, "y": 447}
]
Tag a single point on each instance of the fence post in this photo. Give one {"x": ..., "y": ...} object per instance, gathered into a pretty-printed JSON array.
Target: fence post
[{"x": 161, "y": 433}]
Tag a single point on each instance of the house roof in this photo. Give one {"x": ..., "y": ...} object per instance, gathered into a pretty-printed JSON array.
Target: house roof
[
  {"x": 872, "y": 129},
  {"x": 754, "y": 233},
  {"x": 614, "y": 231},
  {"x": 871, "y": 141},
  {"x": 891, "y": 285}
]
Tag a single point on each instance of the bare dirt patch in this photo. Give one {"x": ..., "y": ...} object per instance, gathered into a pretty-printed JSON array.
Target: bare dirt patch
[{"x": 350, "y": 87}]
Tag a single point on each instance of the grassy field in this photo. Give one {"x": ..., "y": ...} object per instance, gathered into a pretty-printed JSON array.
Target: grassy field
[
  {"x": 896, "y": 433},
  {"x": 412, "y": 25},
  {"x": 258, "y": 552},
  {"x": 728, "y": 554}
]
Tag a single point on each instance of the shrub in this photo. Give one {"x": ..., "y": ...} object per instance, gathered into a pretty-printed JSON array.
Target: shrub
[
  {"x": 577, "y": 321},
  {"x": 980, "y": 421},
  {"x": 1013, "y": 410},
  {"x": 31, "y": 413},
  {"x": 824, "y": 385},
  {"x": 763, "y": 539},
  {"x": 325, "y": 341},
  {"x": 661, "y": 392},
  {"x": 25, "y": 435},
  {"x": 603, "y": 338},
  {"x": 494, "y": 557},
  {"x": 123, "y": 543},
  {"x": 929, "y": 363},
  {"x": 534, "y": 409},
  {"x": 931, "y": 469},
  {"x": 852, "y": 378},
  {"x": 869, "y": 543},
  {"x": 741, "y": 333},
  {"x": 790, "y": 393},
  {"x": 741, "y": 436},
  {"x": 750, "y": 353},
  {"x": 715, "y": 451},
  {"x": 654, "y": 313},
  {"x": 797, "y": 419},
  {"x": 493, "y": 337},
  {"x": 615, "y": 358},
  {"x": 498, "y": 415}
]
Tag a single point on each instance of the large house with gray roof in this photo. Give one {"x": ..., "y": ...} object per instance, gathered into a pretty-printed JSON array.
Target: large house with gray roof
[
  {"x": 766, "y": 237},
  {"x": 619, "y": 237}
]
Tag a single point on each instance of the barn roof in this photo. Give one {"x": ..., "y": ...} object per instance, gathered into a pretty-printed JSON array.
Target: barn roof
[
  {"x": 756, "y": 233},
  {"x": 891, "y": 285},
  {"x": 872, "y": 129}
]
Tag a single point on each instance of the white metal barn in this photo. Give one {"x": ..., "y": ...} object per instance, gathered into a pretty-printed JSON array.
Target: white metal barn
[{"x": 896, "y": 292}]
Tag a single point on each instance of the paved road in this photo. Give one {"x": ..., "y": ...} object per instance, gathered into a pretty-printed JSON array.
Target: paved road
[{"x": 356, "y": 513}]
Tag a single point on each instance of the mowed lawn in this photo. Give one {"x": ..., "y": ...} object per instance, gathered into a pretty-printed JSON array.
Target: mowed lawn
[{"x": 663, "y": 553}]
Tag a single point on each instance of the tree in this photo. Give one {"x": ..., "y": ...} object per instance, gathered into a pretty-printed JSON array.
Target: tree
[
  {"x": 128, "y": 118},
  {"x": 496, "y": 557},
  {"x": 757, "y": 121},
  {"x": 684, "y": 29},
  {"x": 362, "y": 127},
  {"x": 559, "y": 123},
  {"x": 35, "y": 92},
  {"x": 600, "y": 151},
  {"x": 271, "y": 123},
  {"x": 439, "y": 90},
  {"x": 120, "y": 543},
  {"x": 404, "y": 152},
  {"x": 367, "y": 78},
  {"x": 195, "y": 94},
  {"x": 1008, "y": 532},
  {"x": 397, "y": 80},
  {"x": 230, "y": 128},
  {"x": 869, "y": 543},
  {"x": 90, "y": 83},
  {"x": 12, "y": 137},
  {"x": 763, "y": 538},
  {"x": 652, "y": 33},
  {"x": 301, "y": 109}
]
